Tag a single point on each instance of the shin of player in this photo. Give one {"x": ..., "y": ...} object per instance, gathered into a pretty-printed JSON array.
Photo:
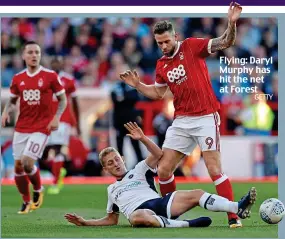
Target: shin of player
[{"x": 34, "y": 87}]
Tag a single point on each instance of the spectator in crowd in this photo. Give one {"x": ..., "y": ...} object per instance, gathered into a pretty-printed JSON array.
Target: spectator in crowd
[
  {"x": 257, "y": 117},
  {"x": 124, "y": 99},
  {"x": 162, "y": 121}
]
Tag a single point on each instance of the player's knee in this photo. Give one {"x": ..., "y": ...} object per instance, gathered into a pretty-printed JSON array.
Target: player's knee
[
  {"x": 137, "y": 218},
  {"x": 137, "y": 221},
  {"x": 140, "y": 218},
  {"x": 18, "y": 167},
  {"x": 198, "y": 194},
  {"x": 195, "y": 196},
  {"x": 141, "y": 222},
  {"x": 28, "y": 165},
  {"x": 164, "y": 171}
]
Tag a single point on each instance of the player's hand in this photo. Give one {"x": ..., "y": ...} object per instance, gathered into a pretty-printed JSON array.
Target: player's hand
[
  {"x": 131, "y": 78},
  {"x": 53, "y": 125},
  {"x": 234, "y": 12},
  {"x": 75, "y": 219},
  {"x": 135, "y": 131},
  {"x": 5, "y": 118}
]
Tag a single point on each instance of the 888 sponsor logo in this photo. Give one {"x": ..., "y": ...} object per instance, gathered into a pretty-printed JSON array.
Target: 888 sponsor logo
[
  {"x": 32, "y": 97},
  {"x": 177, "y": 74}
]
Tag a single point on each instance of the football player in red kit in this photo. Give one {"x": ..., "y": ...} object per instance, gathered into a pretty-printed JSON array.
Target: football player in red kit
[
  {"x": 59, "y": 139},
  {"x": 34, "y": 86},
  {"x": 183, "y": 70}
]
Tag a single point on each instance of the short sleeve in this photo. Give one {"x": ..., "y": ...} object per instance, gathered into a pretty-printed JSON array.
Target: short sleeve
[
  {"x": 56, "y": 85},
  {"x": 159, "y": 81},
  {"x": 111, "y": 207},
  {"x": 72, "y": 88},
  {"x": 201, "y": 46},
  {"x": 14, "y": 90},
  {"x": 142, "y": 168}
]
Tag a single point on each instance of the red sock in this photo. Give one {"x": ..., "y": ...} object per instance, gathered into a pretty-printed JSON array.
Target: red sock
[
  {"x": 35, "y": 178},
  {"x": 167, "y": 185},
  {"x": 22, "y": 183},
  {"x": 55, "y": 169},
  {"x": 224, "y": 189}
]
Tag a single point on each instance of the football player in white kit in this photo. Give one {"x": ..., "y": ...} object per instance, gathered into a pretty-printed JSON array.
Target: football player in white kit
[{"x": 135, "y": 195}]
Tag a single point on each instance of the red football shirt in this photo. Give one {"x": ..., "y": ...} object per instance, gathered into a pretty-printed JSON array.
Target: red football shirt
[
  {"x": 35, "y": 92},
  {"x": 68, "y": 83},
  {"x": 187, "y": 76}
]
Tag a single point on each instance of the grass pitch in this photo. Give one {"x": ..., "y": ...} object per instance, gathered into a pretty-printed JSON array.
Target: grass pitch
[{"x": 90, "y": 201}]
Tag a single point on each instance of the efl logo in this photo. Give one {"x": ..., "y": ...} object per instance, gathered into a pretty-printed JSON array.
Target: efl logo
[
  {"x": 176, "y": 73},
  {"x": 32, "y": 96}
]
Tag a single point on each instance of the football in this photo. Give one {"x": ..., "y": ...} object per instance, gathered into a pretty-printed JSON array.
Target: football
[{"x": 272, "y": 211}]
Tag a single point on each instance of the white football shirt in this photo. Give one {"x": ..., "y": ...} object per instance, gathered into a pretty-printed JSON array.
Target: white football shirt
[{"x": 135, "y": 188}]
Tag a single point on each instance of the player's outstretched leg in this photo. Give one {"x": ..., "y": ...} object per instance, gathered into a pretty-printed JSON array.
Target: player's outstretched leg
[
  {"x": 184, "y": 201},
  {"x": 147, "y": 218},
  {"x": 216, "y": 203}
]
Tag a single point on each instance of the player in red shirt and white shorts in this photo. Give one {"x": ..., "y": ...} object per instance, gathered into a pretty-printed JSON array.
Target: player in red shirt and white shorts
[
  {"x": 59, "y": 139},
  {"x": 35, "y": 87},
  {"x": 183, "y": 70}
]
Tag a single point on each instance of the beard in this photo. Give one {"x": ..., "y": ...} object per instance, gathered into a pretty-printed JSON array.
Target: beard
[{"x": 171, "y": 52}]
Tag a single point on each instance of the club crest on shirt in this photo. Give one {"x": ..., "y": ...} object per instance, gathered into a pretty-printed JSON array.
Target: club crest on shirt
[
  {"x": 181, "y": 56},
  {"x": 40, "y": 82},
  {"x": 131, "y": 176}
]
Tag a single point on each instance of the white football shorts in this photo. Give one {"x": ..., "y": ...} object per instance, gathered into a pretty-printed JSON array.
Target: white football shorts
[
  {"x": 187, "y": 131},
  {"x": 29, "y": 144},
  {"x": 60, "y": 136}
]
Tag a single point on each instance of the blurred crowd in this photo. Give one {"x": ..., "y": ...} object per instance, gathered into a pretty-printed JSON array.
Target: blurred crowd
[{"x": 95, "y": 50}]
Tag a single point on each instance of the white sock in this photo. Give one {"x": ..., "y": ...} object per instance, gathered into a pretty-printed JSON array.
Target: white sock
[
  {"x": 215, "y": 203},
  {"x": 165, "y": 222},
  {"x": 40, "y": 190}
]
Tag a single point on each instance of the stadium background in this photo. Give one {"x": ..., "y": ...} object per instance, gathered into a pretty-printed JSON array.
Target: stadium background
[{"x": 96, "y": 50}]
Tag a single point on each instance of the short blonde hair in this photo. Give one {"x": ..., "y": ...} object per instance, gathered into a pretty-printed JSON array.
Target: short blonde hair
[{"x": 105, "y": 152}]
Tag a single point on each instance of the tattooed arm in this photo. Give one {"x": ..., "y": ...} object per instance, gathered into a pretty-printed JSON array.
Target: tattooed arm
[
  {"x": 226, "y": 40},
  {"x": 229, "y": 36},
  {"x": 62, "y": 102}
]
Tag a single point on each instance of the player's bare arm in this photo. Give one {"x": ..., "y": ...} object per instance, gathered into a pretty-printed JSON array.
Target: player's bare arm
[
  {"x": 62, "y": 102},
  {"x": 110, "y": 220},
  {"x": 151, "y": 91},
  {"x": 229, "y": 36},
  {"x": 136, "y": 133},
  {"x": 8, "y": 108}
]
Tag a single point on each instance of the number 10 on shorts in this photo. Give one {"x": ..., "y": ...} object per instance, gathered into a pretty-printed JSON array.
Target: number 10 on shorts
[{"x": 34, "y": 147}]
